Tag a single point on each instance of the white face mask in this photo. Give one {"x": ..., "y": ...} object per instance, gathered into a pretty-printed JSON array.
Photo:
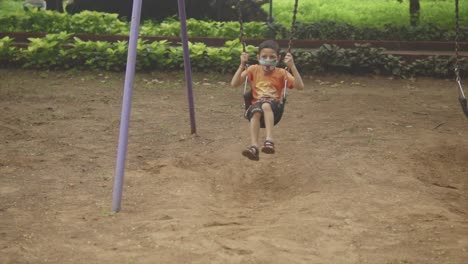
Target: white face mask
[{"x": 268, "y": 65}]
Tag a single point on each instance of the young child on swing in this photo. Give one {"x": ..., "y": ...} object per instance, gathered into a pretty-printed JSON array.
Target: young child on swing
[{"x": 267, "y": 84}]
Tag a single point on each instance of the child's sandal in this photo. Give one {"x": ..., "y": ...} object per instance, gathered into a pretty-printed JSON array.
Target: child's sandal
[
  {"x": 251, "y": 153},
  {"x": 268, "y": 147}
]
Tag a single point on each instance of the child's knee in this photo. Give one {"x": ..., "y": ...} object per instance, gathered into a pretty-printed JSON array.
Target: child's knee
[
  {"x": 256, "y": 115},
  {"x": 266, "y": 107}
]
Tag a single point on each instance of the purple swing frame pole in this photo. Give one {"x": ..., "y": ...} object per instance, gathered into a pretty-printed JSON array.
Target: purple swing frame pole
[
  {"x": 187, "y": 66},
  {"x": 126, "y": 106}
]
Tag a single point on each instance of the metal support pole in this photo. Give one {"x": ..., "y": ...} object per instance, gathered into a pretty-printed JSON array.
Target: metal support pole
[
  {"x": 187, "y": 66},
  {"x": 126, "y": 106}
]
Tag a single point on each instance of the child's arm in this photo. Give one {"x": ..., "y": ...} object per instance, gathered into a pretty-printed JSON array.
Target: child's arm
[
  {"x": 289, "y": 61},
  {"x": 239, "y": 76}
]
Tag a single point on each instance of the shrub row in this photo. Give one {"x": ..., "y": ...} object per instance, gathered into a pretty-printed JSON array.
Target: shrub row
[
  {"x": 60, "y": 51},
  {"x": 103, "y": 23},
  {"x": 366, "y": 59},
  {"x": 340, "y": 30},
  {"x": 90, "y": 22}
]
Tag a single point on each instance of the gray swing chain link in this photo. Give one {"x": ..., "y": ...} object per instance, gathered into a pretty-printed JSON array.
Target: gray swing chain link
[
  {"x": 242, "y": 37},
  {"x": 293, "y": 26},
  {"x": 457, "y": 45},
  {"x": 461, "y": 97},
  {"x": 291, "y": 35},
  {"x": 241, "y": 23}
]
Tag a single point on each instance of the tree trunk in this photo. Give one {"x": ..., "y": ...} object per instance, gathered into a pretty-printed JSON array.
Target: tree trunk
[
  {"x": 414, "y": 12},
  {"x": 56, "y": 5}
]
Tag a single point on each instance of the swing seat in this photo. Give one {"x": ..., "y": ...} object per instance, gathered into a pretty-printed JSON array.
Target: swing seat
[{"x": 279, "y": 114}]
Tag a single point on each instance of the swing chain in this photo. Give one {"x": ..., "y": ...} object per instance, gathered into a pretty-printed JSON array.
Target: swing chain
[
  {"x": 461, "y": 93},
  {"x": 242, "y": 39},
  {"x": 457, "y": 45},
  {"x": 457, "y": 48},
  {"x": 241, "y": 23},
  {"x": 293, "y": 26}
]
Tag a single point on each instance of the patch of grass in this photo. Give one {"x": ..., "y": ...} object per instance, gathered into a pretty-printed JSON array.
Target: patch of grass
[
  {"x": 370, "y": 13},
  {"x": 10, "y": 7},
  {"x": 105, "y": 212}
]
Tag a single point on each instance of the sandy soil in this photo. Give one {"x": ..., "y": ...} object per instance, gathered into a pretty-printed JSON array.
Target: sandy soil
[{"x": 368, "y": 170}]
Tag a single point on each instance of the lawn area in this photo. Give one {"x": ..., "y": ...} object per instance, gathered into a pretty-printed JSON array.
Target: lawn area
[
  {"x": 369, "y": 13},
  {"x": 9, "y": 7}
]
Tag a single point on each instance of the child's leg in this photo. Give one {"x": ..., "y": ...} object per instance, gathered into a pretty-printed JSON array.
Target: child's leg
[
  {"x": 269, "y": 120},
  {"x": 255, "y": 128},
  {"x": 252, "y": 151}
]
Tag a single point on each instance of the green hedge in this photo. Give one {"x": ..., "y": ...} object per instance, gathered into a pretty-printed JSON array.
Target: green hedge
[
  {"x": 91, "y": 22},
  {"x": 60, "y": 51},
  {"x": 365, "y": 59},
  {"x": 54, "y": 22},
  {"x": 103, "y": 23},
  {"x": 337, "y": 30}
]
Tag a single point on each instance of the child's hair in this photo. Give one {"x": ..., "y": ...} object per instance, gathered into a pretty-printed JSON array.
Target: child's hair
[{"x": 269, "y": 44}]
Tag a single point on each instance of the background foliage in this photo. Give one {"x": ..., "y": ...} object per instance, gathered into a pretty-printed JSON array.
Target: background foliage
[
  {"x": 339, "y": 19},
  {"x": 361, "y": 13},
  {"x": 60, "y": 51},
  {"x": 102, "y": 23},
  {"x": 369, "y": 13}
]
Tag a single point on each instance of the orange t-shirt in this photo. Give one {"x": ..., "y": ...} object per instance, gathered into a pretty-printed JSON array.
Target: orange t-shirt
[{"x": 268, "y": 85}]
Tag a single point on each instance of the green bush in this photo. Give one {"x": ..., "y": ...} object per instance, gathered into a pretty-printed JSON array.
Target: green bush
[
  {"x": 7, "y": 51},
  {"x": 97, "y": 23},
  {"x": 53, "y": 22},
  {"x": 154, "y": 55},
  {"x": 99, "y": 54},
  {"x": 47, "y": 52},
  {"x": 44, "y": 21},
  {"x": 60, "y": 51},
  {"x": 337, "y": 30},
  {"x": 105, "y": 24},
  {"x": 365, "y": 59}
]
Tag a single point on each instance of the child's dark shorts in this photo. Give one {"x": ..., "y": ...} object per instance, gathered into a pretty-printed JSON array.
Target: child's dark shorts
[{"x": 257, "y": 107}]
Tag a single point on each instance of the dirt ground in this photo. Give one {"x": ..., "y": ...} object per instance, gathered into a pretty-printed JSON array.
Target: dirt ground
[{"x": 368, "y": 170}]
